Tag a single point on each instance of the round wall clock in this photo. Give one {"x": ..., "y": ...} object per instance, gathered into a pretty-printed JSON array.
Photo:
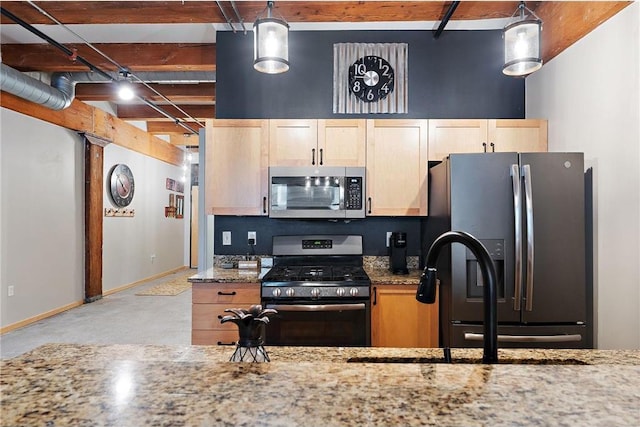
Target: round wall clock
[
  {"x": 121, "y": 185},
  {"x": 371, "y": 78}
]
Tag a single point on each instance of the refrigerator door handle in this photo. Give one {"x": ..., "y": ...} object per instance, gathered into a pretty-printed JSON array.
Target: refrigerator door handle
[
  {"x": 527, "y": 338},
  {"x": 528, "y": 195},
  {"x": 517, "y": 216}
]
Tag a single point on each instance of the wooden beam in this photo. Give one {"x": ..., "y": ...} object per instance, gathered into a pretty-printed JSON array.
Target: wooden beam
[
  {"x": 85, "y": 118},
  {"x": 187, "y": 140},
  {"x": 200, "y": 92},
  {"x": 135, "y": 56},
  {"x": 564, "y": 23},
  {"x": 167, "y": 127},
  {"x": 144, "y": 112},
  {"x": 147, "y": 12},
  {"x": 93, "y": 196}
]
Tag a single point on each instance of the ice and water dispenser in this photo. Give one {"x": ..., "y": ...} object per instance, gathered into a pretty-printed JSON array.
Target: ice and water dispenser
[{"x": 474, "y": 274}]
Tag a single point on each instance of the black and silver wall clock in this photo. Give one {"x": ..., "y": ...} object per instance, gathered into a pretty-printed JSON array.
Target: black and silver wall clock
[
  {"x": 121, "y": 185},
  {"x": 370, "y": 78}
]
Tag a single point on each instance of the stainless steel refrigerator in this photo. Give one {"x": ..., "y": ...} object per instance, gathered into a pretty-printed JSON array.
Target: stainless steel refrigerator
[{"x": 528, "y": 209}]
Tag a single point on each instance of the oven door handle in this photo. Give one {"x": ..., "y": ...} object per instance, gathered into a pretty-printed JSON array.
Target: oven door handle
[{"x": 320, "y": 307}]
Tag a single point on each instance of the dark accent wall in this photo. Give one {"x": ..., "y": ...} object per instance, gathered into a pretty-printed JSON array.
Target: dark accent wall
[
  {"x": 458, "y": 75},
  {"x": 373, "y": 231}
]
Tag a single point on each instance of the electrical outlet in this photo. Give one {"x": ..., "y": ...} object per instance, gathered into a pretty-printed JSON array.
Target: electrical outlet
[
  {"x": 226, "y": 238},
  {"x": 388, "y": 238},
  {"x": 10, "y": 291},
  {"x": 251, "y": 235},
  {"x": 153, "y": 258}
]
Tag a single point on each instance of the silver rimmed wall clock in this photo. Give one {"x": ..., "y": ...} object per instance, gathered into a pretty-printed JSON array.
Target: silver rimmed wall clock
[
  {"x": 369, "y": 78},
  {"x": 121, "y": 185}
]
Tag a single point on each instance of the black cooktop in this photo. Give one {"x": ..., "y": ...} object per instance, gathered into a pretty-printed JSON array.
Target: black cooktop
[{"x": 315, "y": 273}]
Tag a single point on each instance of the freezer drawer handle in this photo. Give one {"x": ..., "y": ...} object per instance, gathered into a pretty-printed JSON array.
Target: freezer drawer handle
[
  {"x": 322, "y": 307},
  {"x": 527, "y": 338}
]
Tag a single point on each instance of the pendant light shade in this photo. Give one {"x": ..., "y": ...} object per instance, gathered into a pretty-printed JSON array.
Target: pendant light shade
[
  {"x": 522, "y": 45},
  {"x": 270, "y": 44}
]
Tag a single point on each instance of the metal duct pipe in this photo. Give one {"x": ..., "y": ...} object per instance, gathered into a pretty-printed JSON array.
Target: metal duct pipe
[
  {"x": 61, "y": 93},
  {"x": 26, "y": 87}
]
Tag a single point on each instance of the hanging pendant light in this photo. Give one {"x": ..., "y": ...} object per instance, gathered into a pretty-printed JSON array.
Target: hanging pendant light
[
  {"x": 522, "y": 44},
  {"x": 270, "y": 44}
]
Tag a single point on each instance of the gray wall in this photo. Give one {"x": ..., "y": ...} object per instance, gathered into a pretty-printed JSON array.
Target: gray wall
[{"x": 458, "y": 75}]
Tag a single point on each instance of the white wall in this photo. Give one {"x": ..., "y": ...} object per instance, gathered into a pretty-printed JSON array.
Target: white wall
[
  {"x": 42, "y": 219},
  {"x": 590, "y": 94},
  {"x": 42, "y": 224},
  {"x": 129, "y": 243}
]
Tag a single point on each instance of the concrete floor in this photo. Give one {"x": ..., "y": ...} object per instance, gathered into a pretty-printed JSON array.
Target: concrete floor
[{"x": 120, "y": 318}]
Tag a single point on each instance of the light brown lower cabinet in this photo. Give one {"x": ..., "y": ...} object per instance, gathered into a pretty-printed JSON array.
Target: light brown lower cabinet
[
  {"x": 398, "y": 320},
  {"x": 209, "y": 300}
]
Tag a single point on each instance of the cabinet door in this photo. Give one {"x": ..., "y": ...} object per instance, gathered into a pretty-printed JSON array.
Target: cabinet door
[
  {"x": 527, "y": 135},
  {"x": 237, "y": 160},
  {"x": 342, "y": 142},
  {"x": 397, "y": 167},
  {"x": 398, "y": 320},
  {"x": 456, "y": 136},
  {"x": 293, "y": 143}
]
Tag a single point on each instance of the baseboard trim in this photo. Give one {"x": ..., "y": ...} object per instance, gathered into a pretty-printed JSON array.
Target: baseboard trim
[
  {"x": 75, "y": 304},
  {"x": 39, "y": 317},
  {"x": 141, "y": 281}
]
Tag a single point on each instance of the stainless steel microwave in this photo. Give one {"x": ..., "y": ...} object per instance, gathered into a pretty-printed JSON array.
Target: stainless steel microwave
[{"x": 316, "y": 192}]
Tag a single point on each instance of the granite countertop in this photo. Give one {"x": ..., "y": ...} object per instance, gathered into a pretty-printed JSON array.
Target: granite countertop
[
  {"x": 128, "y": 385},
  {"x": 376, "y": 268}
]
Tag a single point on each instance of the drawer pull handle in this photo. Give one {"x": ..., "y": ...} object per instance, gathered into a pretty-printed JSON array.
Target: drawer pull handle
[
  {"x": 232, "y": 293},
  {"x": 226, "y": 343}
]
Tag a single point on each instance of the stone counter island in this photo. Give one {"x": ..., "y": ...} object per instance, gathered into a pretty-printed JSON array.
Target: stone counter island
[{"x": 127, "y": 385}]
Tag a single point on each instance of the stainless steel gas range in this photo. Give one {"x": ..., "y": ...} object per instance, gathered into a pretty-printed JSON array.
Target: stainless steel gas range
[{"x": 320, "y": 290}]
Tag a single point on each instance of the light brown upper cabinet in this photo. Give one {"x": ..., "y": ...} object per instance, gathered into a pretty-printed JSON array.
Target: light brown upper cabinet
[
  {"x": 526, "y": 135},
  {"x": 237, "y": 165},
  {"x": 479, "y": 135},
  {"x": 336, "y": 142},
  {"x": 396, "y": 167}
]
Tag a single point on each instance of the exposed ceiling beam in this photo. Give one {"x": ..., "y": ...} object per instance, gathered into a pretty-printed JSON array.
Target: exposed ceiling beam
[
  {"x": 195, "y": 93},
  {"x": 135, "y": 56},
  {"x": 167, "y": 127},
  {"x": 129, "y": 12},
  {"x": 143, "y": 112}
]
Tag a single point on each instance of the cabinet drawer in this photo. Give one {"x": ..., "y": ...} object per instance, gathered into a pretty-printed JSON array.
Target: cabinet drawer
[
  {"x": 207, "y": 316},
  {"x": 201, "y": 337},
  {"x": 233, "y": 294}
]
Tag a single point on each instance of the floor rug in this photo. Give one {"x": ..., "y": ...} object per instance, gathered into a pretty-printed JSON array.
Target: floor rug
[{"x": 172, "y": 287}]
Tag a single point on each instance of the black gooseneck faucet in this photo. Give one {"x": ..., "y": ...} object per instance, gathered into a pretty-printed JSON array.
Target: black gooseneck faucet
[{"x": 427, "y": 288}]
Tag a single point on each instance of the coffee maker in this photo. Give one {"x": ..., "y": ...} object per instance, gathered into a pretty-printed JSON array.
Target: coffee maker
[{"x": 398, "y": 253}]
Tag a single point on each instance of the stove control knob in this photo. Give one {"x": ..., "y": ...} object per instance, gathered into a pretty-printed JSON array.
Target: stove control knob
[
  {"x": 315, "y": 292},
  {"x": 340, "y": 292},
  {"x": 290, "y": 292},
  {"x": 353, "y": 292},
  {"x": 276, "y": 292}
]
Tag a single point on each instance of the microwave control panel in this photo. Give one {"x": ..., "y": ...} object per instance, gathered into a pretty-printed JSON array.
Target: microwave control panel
[{"x": 353, "y": 193}]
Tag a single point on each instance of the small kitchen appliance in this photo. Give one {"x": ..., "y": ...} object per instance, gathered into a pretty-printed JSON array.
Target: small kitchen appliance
[{"x": 398, "y": 253}]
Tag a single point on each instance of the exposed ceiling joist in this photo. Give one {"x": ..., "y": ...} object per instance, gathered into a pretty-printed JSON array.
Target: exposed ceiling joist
[{"x": 201, "y": 93}]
